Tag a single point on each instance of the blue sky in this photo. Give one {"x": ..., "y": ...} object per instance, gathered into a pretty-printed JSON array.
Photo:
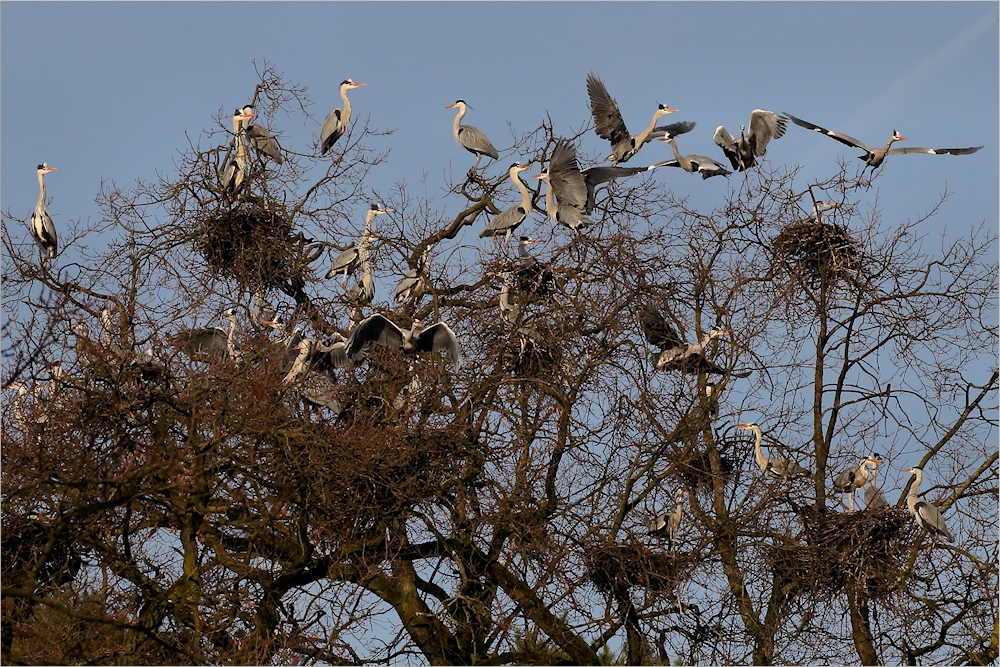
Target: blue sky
[{"x": 108, "y": 90}]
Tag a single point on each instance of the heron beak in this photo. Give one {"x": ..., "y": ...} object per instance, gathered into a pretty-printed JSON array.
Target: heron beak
[
  {"x": 450, "y": 106},
  {"x": 743, "y": 426},
  {"x": 358, "y": 85}
]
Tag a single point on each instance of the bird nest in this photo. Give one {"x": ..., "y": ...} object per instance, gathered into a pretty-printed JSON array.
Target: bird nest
[
  {"x": 23, "y": 545},
  {"x": 535, "y": 352},
  {"x": 866, "y": 548},
  {"x": 615, "y": 568},
  {"x": 823, "y": 253},
  {"x": 249, "y": 244},
  {"x": 694, "y": 466}
]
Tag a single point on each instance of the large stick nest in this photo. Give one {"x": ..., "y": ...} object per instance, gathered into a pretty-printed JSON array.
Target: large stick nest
[
  {"x": 868, "y": 548},
  {"x": 249, "y": 244},
  {"x": 615, "y": 567},
  {"x": 822, "y": 253}
]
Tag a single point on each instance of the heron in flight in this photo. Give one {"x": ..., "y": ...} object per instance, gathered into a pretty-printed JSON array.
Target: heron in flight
[
  {"x": 771, "y": 466},
  {"x": 378, "y": 329},
  {"x": 608, "y": 123},
  {"x": 743, "y": 152},
  {"x": 926, "y": 515},
  {"x": 874, "y": 157},
  {"x": 693, "y": 164},
  {"x": 336, "y": 121},
  {"x": 469, "y": 137},
  {"x": 674, "y": 353},
  {"x": 511, "y": 217},
  {"x": 42, "y": 229}
]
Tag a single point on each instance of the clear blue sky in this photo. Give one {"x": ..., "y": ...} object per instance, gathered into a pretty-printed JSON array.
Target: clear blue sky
[{"x": 107, "y": 90}]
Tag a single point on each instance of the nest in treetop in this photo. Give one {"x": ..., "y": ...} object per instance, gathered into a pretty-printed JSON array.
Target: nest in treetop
[
  {"x": 24, "y": 540},
  {"x": 867, "y": 547},
  {"x": 694, "y": 466},
  {"x": 532, "y": 350},
  {"x": 615, "y": 568},
  {"x": 249, "y": 244},
  {"x": 821, "y": 252}
]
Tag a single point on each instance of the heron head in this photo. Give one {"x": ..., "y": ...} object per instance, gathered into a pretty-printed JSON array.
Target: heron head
[
  {"x": 750, "y": 426},
  {"x": 457, "y": 103},
  {"x": 896, "y": 136},
  {"x": 44, "y": 168},
  {"x": 664, "y": 109},
  {"x": 247, "y": 111}
]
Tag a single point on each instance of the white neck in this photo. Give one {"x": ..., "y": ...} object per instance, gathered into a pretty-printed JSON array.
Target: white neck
[
  {"x": 525, "y": 195},
  {"x": 41, "y": 192},
  {"x": 550, "y": 202},
  {"x": 916, "y": 482},
  {"x": 458, "y": 120},
  {"x": 761, "y": 461},
  {"x": 346, "y": 114}
]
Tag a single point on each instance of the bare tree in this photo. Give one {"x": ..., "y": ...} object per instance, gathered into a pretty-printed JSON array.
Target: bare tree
[{"x": 168, "y": 506}]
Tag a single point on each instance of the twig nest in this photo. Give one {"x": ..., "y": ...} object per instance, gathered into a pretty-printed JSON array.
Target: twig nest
[
  {"x": 867, "y": 548},
  {"x": 249, "y": 244},
  {"x": 821, "y": 252},
  {"x": 616, "y": 567}
]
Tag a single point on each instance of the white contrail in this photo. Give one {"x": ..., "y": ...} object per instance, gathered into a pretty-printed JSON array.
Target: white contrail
[{"x": 927, "y": 68}]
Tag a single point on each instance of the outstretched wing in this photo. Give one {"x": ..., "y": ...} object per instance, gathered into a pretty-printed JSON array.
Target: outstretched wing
[
  {"x": 373, "y": 329},
  {"x": 657, "y": 330},
  {"x": 608, "y": 123},
  {"x": 440, "y": 337},
  {"x": 671, "y": 130},
  {"x": 725, "y": 141},
  {"x": 934, "y": 151},
  {"x": 764, "y": 126},
  {"x": 842, "y": 138},
  {"x": 565, "y": 179}
]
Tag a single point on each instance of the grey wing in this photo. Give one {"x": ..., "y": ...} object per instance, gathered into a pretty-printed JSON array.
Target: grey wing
[
  {"x": 476, "y": 142},
  {"x": 44, "y": 231},
  {"x": 658, "y": 526},
  {"x": 843, "y": 481},
  {"x": 262, "y": 311},
  {"x": 764, "y": 126},
  {"x": 874, "y": 498},
  {"x": 346, "y": 262},
  {"x": 407, "y": 283},
  {"x": 608, "y": 123},
  {"x": 667, "y": 163},
  {"x": 597, "y": 175},
  {"x": 320, "y": 389},
  {"x": 842, "y": 138},
  {"x": 708, "y": 167},
  {"x": 930, "y": 518},
  {"x": 934, "y": 151},
  {"x": 657, "y": 330},
  {"x": 441, "y": 337},
  {"x": 671, "y": 130},
  {"x": 565, "y": 179},
  {"x": 507, "y": 219},
  {"x": 331, "y": 131},
  {"x": 725, "y": 141},
  {"x": 338, "y": 355},
  {"x": 211, "y": 342},
  {"x": 374, "y": 329},
  {"x": 263, "y": 141}
]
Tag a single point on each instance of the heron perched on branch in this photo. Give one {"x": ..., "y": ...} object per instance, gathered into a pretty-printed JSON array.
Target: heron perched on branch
[
  {"x": 771, "y": 466},
  {"x": 259, "y": 137},
  {"x": 666, "y": 525},
  {"x": 335, "y": 124},
  {"x": 42, "y": 229},
  {"x": 509, "y": 219},
  {"x": 469, "y": 137},
  {"x": 924, "y": 513}
]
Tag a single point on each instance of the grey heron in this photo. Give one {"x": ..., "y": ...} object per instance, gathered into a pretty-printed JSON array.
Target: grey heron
[
  {"x": 349, "y": 260},
  {"x": 926, "y": 515},
  {"x": 42, "y": 229},
  {"x": 511, "y": 217},
  {"x": 819, "y": 208},
  {"x": 775, "y": 467},
  {"x": 107, "y": 339},
  {"x": 874, "y": 497},
  {"x": 608, "y": 123},
  {"x": 211, "y": 342},
  {"x": 666, "y": 525},
  {"x": 694, "y": 164},
  {"x": 378, "y": 329},
  {"x": 411, "y": 286},
  {"x": 315, "y": 384},
  {"x": 261, "y": 311},
  {"x": 336, "y": 121},
  {"x": 674, "y": 353},
  {"x": 469, "y": 137},
  {"x": 712, "y": 391},
  {"x": 363, "y": 292},
  {"x": 566, "y": 197},
  {"x": 752, "y": 144},
  {"x": 259, "y": 137},
  {"x": 236, "y": 171},
  {"x": 874, "y": 157},
  {"x": 850, "y": 480}
]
